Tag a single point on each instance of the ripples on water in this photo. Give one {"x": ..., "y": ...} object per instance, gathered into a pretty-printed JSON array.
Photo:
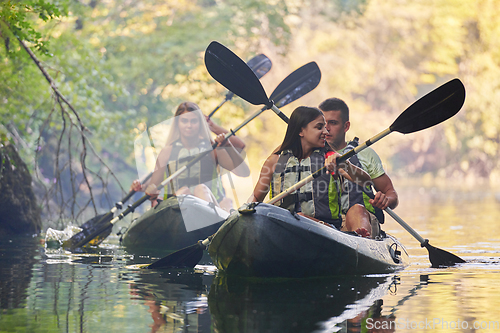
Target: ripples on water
[{"x": 102, "y": 292}]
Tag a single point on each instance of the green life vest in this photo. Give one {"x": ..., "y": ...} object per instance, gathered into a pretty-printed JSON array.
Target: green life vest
[
  {"x": 202, "y": 172},
  {"x": 357, "y": 194},
  {"x": 319, "y": 199}
]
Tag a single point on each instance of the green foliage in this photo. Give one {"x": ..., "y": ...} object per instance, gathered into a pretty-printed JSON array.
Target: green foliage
[
  {"x": 125, "y": 66},
  {"x": 382, "y": 58},
  {"x": 156, "y": 50},
  {"x": 16, "y": 21},
  {"x": 23, "y": 91},
  {"x": 122, "y": 66}
]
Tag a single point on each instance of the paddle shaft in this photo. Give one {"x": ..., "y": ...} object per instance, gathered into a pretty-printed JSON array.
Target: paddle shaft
[
  {"x": 192, "y": 162},
  {"x": 233, "y": 188},
  {"x": 279, "y": 113},
  {"x": 406, "y": 226},
  {"x": 342, "y": 158},
  {"x": 229, "y": 96},
  {"x": 401, "y": 222},
  {"x": 437, "y": 256},
  {"x": 286, "y": 89},
  {"x": 364, "y": 145},
  {"x": 106, "y": 217},
  {"x": 119, "y": 204}
]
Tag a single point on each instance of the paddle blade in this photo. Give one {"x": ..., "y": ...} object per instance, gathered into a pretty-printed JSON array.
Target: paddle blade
[
  {"x": 234, "y": 74},
  {"x": 297, "y": 84},
  {"x": 442, "y": 258},
  {"x": 88, "y": 228},
  {"x": 260, "y": 65},
  {"x": 187, "y": 257},
  {"x": 435, "y": 107},
  {"x": 91, "y": 225}
]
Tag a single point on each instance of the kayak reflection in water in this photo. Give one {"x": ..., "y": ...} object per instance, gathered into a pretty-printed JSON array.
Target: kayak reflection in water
[
  {"x": 301, "y": 154},
  {"x": 372, "y": 320},
  {"x": 189, "y": 137}
]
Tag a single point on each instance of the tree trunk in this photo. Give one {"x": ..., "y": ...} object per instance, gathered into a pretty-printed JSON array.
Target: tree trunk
[{"x": 19, "y": 212}]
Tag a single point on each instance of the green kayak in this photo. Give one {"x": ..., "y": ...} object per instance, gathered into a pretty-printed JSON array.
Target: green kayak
[
  {"x": 262, "y": 240},
  {"x": 173, "y": 224}
]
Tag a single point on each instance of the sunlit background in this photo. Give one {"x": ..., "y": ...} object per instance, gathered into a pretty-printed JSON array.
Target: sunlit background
[{"x": 124, "y": 66}]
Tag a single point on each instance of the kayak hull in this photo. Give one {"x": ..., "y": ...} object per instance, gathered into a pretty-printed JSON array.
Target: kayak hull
[
  {"x": 173, "y": 224},
  {"x": 268, "y": 241}
]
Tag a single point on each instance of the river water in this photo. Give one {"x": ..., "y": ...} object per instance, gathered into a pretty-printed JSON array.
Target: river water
[{"x": 103, "y": 292}]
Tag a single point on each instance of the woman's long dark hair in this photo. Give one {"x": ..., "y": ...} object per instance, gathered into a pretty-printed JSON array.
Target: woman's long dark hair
[{"x": 299, "y": 119}]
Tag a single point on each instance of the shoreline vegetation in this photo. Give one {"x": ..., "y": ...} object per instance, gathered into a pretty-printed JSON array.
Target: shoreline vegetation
[{"x": 124, "y": 68}]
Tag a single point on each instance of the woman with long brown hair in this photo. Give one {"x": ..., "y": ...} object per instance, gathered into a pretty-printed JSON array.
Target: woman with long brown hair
[
  {"x": 190, "y": 136},
  {"x": 301, "y": 153}
]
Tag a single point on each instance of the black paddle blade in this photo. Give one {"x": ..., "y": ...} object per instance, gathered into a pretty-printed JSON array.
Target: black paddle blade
[
  {"x": 186, "y": 257},
  {"x": 88, "y": 228},
  {"x": 234, "y": 74},
  {"x": 435, "y": 107},
  {"x": 297, "y": 84},
  {"x": 260, "y": 65},
  {"x": 92, "y": 224},
  {"x": 442, "y": 258}
]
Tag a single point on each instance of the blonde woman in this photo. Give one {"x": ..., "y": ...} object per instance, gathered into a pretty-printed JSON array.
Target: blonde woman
[{"x": 190, "y": 136}]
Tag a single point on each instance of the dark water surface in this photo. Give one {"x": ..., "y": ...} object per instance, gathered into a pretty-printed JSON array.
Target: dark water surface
[{"x": 57, "y": 292}]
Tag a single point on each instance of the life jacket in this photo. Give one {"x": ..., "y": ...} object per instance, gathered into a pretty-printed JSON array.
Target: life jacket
[
  {"x": 319, "y": 199},
  {"x": 358, "y": 194},
  {"x": 202, "y": 172}
]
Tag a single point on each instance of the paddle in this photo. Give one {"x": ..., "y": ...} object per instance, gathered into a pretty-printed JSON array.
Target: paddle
[
  {"x": 432, "y": 109},
  {"x": 437, "y": 106},
  {"x": 288, "y": 91},
  {"x": 260, "y": 65},
  {"x": 230, "y": 71},
  {"x": 437, "y": 256},
  {"x": 435, "y": 110},
  {"x": 297, "y": 84},
  {"x": 410, "y": 123},
  {"x": 95, "y": 223}
]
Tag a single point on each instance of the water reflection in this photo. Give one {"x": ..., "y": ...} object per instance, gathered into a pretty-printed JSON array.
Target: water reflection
[
  {"x": 99, "y": 292},
  {"x": 321, "y": 305},
  {"x": 17, "y": 257},
  {"x": 176, "y": 299}
]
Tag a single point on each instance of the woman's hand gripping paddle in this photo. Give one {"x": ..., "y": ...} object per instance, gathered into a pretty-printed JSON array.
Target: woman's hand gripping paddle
[
  {"x": 230, "y": 70},
  {"x": 437, "y": 106},
  {"x": 287, "y": 91},
  {"x": 432, "y": 109}
]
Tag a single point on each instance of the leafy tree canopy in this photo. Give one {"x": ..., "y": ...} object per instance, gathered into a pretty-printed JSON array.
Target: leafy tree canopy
[{"x": 17, "y": 21}]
